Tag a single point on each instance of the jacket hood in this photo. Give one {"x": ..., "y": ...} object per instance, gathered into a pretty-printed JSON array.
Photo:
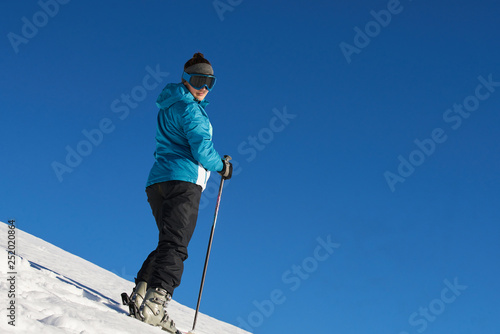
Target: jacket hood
[{"x": 175, "y": 92}]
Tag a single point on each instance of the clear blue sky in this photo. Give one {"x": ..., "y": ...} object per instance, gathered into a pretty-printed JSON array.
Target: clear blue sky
[{"x": 368, "y": 125}]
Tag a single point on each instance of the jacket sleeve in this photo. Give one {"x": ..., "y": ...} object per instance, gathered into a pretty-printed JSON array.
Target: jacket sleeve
[{"x": 198, "y": 131}]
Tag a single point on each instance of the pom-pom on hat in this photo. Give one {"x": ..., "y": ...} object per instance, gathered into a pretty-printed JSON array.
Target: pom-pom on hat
[{"x": 199, "y": 65}]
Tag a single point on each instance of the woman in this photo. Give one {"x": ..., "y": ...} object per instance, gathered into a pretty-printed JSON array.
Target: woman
[{"x": 184, "y": 157}]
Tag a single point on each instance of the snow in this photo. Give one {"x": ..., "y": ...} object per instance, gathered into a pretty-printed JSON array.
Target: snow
[{"x": 58, "y": 292}]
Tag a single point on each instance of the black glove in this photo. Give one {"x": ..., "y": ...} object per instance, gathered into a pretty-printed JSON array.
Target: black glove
[{"x": 227, "y": 170}]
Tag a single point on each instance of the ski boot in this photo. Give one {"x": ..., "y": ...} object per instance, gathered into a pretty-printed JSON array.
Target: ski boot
[
  {"x": 153, "y": 310},
  {"x": 134, "y": 302}
]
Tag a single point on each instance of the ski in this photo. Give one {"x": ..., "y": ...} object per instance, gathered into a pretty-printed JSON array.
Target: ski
[{"x": 132, "y": 309}]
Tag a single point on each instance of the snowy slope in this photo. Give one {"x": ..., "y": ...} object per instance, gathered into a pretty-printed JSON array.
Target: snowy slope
[{"x": 58, "y": 292}]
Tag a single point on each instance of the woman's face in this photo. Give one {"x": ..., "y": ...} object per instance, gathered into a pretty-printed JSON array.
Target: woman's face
[{"x": 199, "y": 94}]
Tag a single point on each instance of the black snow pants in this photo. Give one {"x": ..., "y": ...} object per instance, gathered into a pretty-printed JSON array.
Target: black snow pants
[{"x": 175, "y": 207}]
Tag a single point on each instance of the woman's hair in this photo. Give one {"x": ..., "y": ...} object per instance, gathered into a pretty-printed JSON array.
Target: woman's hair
[{"x": 197, "y": 59}]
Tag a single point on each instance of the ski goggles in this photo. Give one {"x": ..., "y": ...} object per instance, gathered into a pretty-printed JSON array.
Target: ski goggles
[{"x": 198, "y": 81}]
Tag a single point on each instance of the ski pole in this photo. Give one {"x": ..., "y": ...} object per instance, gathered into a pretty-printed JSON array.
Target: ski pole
[{"x": 226, "y": 158}]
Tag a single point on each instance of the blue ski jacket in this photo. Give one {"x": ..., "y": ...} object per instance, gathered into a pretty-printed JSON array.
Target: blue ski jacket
[{"x": 184, "y": 148}]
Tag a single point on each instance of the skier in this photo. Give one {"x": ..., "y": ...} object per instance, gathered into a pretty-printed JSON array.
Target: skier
[{"x": 184, "y": 157}]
